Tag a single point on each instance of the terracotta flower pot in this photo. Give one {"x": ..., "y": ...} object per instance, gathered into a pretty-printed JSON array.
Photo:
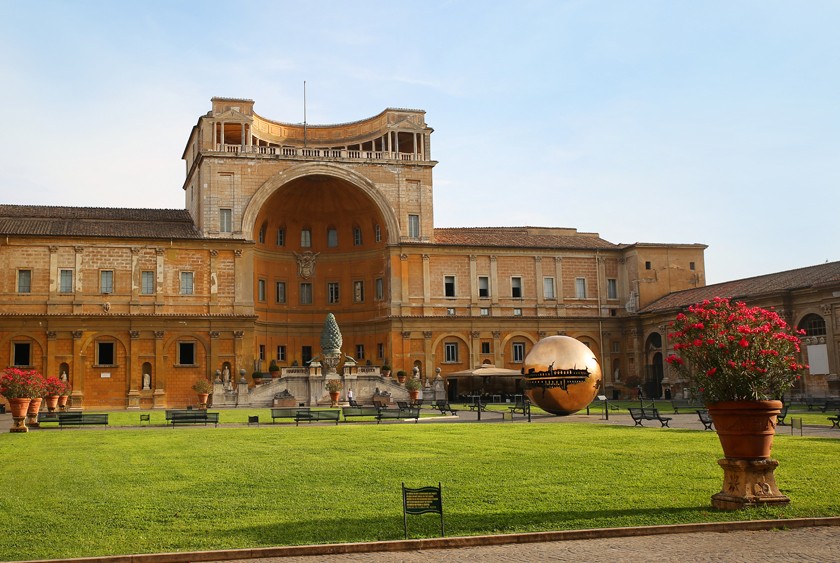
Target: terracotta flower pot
[
  {"x": 52, "y": 403},
  {"x": 334, "y": 397},
  {"x": 745, "y": 428},
  {"x": 62, "y": 401},
  {"x": 413, "y": 395},
  {"x": 32, "y": 413},
  {"x": 202, "y": 400},
  {"x": 19, "y": 407}
]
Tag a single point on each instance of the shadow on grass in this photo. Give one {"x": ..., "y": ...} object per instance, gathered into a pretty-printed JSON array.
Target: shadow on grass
[{"x": 385, "y": 528}]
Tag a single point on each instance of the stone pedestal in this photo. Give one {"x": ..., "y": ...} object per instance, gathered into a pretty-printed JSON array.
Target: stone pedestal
[
  {"x": 159, "y": 399},
  {"x": 748, "y": 483},
  {"x": 19, "y": 424},
  {"x": 133, "y": 399}
]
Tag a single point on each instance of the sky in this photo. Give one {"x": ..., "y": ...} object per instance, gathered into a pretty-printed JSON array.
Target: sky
[{"x": 644, "y": 121}]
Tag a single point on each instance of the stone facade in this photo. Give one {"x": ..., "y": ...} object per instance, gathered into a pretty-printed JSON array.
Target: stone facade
[{"x": 285, "y": 223}]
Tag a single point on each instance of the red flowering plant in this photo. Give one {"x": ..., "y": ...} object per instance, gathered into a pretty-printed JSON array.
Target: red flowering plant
[
  {"x": 732, "y": 352},
  {"x": 54, "y": 386},
  {"x": 21, "y": 384}
]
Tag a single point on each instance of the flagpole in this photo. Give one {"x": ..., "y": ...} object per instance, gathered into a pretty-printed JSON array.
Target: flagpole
[{"x": 304, "y": 113}]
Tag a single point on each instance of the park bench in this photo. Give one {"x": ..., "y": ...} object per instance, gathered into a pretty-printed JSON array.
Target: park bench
[
  {"x": 286, "y": 412},
  {"x": 639, "y": 415},
  {"x": 705, "y": 418},
  {"x": 677, "y": 404},
  {"x": 831, "y": 404},
  {"x": 310, "y": 415},
  {"x": 47, "y": 417},
  {"x": 354, "y": 411},
  {"x": 410, "y": 412},
  {"x": 835, "y": 420},
  {"x": 444, "y": 406},
  {"x": 521, "y": 407},
  {"x": 814, "y": 402},
  {"x": 193, "y": 417},
  {"x": 780, "y": 418},
  {"x": 81, "y": 419}
]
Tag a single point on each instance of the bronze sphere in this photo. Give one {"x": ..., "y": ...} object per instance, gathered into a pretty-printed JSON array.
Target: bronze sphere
[{"x": 561, "y": 375}]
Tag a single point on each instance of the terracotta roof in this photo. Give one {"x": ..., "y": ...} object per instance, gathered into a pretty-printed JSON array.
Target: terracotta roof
[
  {"x": 802, "y": 278},
  {"x": 36, "y": 220},
  {"x": 527, "y": 237}
]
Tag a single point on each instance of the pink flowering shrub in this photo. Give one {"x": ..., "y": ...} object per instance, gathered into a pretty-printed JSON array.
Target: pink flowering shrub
[
  {"x": 54, "y": 386},
  {"x": 21, "y": 384},
  {"x": 732, "y": 352}
]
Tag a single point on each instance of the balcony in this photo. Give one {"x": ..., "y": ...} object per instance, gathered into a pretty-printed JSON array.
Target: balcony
[{"x": 314, "y": 153}]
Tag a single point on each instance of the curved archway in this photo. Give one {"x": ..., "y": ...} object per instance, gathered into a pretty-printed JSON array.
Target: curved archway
[{"x": 278, "y": 181}]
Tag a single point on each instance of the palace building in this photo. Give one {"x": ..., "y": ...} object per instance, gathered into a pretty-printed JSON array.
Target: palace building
[{"x": 284, "y": 223}]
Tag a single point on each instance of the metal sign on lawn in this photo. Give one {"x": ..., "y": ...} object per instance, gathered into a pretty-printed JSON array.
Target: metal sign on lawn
[{"x": 421, "y": 501}]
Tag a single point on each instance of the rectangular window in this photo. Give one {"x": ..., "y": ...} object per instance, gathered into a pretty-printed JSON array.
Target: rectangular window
[
  {"x": 517, "y": 312},
  {"x": 24, "y": 281},
  {"x": 306, "y": 354},
  {"x": 280, "y": 292},
  {"x": 380, "y": 350},
  {"x": 450, "y": 352},
  {"x": 548, "y": 288},
  {"x": 377, "y": 233},
  {"x": 21, "y": 354},
  {"x": 305, "y": 238},
  {"x": 186, "y": 353},
  {"x": 516, "y": 287},
  {"x": 332, "y": 238},
  {"x": 484, "y": 311},
  {"x": 281, "y": 237},
  {"x": 483, "y": 286},
  {"x": 360, "y": 351},
  {"x": 357, "y": 236},
  {"x": 691, "y": 266},
  {"x": 647, "y": 265},
  {"x": 225, "y": 221},
  {"x": 186, "y": 283},
  {"x": 612, "y": 289},
  {"x": 106, "y": 281},
  {"x": 281, "y": 353},
  {"x": 485, "y": 347},
  {"x": 380, "y": 289},
  {"x": 616, "y": 347},
  {"x": 414, "y": 226},
  {"x": 332, "y": 292},
  {"x": 449, "y": 286},
  {"x": 580, "y": 288},
  {"x": 65, "y": 281},
  {"x": 262, "y": 352},
  {"x": 359, "y": 291},
  {"x": 518, "y": 349},
  {"x": 306, "y": 294},
  {"x": 147, "y": 282},
  {"x": 105, "y": 353},
  {"x": 260, "y": 290}
]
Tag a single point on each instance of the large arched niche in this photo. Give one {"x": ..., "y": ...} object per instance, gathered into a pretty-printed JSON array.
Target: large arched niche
[{"x": 290, "y": 188}]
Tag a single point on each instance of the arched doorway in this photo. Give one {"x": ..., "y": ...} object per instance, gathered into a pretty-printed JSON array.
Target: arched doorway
[{"x": 654, "y": 368}]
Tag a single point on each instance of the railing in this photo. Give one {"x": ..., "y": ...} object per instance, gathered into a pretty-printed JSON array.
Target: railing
[{"x": 306, "y": 152}]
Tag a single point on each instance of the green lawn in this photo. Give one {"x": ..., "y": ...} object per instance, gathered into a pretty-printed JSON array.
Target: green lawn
[{"x": 89, "y": 492}]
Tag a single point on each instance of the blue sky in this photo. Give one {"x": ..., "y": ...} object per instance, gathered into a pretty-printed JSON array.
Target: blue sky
[{"x": 644, "y": 121}]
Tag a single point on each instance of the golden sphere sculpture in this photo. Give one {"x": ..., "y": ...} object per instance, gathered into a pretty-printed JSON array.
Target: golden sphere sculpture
[{"x": 561, "y": 375}]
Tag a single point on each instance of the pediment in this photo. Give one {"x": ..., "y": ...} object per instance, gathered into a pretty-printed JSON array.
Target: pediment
[
  {"x": 232, "y": 115},
  {"x": 408, "y": 123}
]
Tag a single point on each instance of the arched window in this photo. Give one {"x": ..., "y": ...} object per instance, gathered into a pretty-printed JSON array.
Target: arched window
[
  {"x": 357, "y": 236},
  {"x": 813, "y": 325},
  {"x": 262, "y": 232},
  {"x": 305, "y": 237}
]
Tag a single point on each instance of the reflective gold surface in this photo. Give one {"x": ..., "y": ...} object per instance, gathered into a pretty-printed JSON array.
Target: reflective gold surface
[{"x": 565, "y": 377}]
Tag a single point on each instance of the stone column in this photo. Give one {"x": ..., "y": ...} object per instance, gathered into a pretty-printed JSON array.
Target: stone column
[
  {"x": 51, "y": 367},
  {"x": 538, "y": 274},
  {"x": 428, "y": 352},
  {"x": 77, "y": 371},
  {"x": 133, "y": 371},
  {"x": 494, "y": 281},
  {"x": 159, "y": 376}
]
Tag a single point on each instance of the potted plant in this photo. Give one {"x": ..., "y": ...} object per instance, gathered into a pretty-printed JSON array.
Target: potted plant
[
  {"x": 203, "y": 388},
  {"x": 258, "y": 377},
  {"x": 401, "y": 376},
  {"x": 740, "y": 361},
  {"x": 274, "y": 369},
  {"x": 333, "y": 388},
  {"x": 65, "y": 396},
  {"x": 54, "y": 388},
  {"x": 21, "y": 387},
  {"x": 413, "y": 385},
  {"x": 386, "y": 370}
]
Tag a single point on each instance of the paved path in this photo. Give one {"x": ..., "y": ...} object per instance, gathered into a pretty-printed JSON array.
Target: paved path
[{"x": 806, "y": 544}]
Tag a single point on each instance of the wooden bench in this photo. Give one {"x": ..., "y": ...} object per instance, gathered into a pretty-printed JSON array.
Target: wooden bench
[
  {"x": 814, "y": 403},
  {"x": 639, "y": 415},
  {"x": 47, "y": 417},
  {"x": 678, "y": 404},
  {"x": 521, "y": 407},
  {"x": 780, "y": 418},
  {"x": 410, "y": 412},
  {"x": 194, "y": 417},
  {"x": 705, "y": 418},
  {"x": 286, "y": 412},
  {"x": 835, "y": 420},
  {"x": 831, "y": 404},
  {"x": 444, "y": 406},
  {"x": 310, "y": 415},
  {"x": 355, "y": 411},
  {"x": 81, "y": 419}
]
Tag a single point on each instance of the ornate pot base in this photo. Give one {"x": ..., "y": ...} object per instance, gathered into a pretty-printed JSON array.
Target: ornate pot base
[
  {"x": 19, "y": 424},
  {"x": 748, "y": 482}
]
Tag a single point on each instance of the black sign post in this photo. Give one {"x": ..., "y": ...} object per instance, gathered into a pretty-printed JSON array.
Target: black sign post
[{"x": 421, "y": 501}]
